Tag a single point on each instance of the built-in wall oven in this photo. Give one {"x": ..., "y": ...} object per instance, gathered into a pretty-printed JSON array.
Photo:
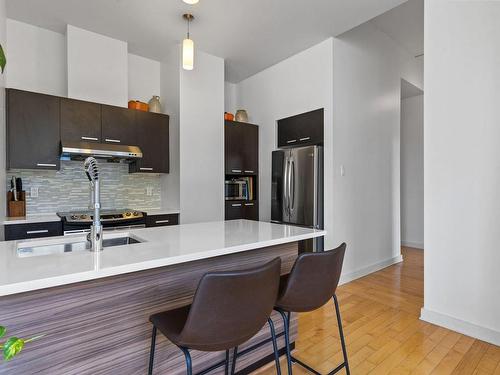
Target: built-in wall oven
[{"x": 80, "y": 221}]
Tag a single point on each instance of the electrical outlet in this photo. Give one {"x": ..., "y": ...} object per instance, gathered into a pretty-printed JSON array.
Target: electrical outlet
[
  {"x": 149, "y": 191},
  {"x": 34, "y": 192}
]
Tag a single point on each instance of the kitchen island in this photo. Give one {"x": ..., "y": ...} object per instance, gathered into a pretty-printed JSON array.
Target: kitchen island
[{"x": 93, "y": 308}]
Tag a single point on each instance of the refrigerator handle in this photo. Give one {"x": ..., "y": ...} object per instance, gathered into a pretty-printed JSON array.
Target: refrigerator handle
[
  {"x": 285, "y": 186},
  {"x": 292, "y": 191}
]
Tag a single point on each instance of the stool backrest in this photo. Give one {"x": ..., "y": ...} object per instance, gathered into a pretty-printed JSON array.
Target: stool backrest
[
  {"x": 313, "y": 280},
  {"x": 230, "y": 307}
]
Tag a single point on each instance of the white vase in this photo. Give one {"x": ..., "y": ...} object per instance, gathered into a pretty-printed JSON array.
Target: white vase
[{"x": 154, "y": 104}]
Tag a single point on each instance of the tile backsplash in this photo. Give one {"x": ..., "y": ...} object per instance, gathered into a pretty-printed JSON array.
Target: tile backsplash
[{"x": 68, "y": 189}]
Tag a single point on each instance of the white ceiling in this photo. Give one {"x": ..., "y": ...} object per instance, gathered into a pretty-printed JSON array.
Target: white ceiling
[
  {"x": 405, "y": 24},
  {"x": 250, "y": 34}
]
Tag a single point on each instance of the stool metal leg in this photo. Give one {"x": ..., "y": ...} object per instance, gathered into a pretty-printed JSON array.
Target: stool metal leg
[
  {"x": 235, "y": 355},
  {"x": 275, "y": 346},
  {"x": 341, "y": 333},
  {"x": 152, "y": 351},
  {"x": 342, "y": 342},
  {"x": 226, "y": 365},
  {"x": 189, "y": 364},
  {"x": 286, "y": 328}
]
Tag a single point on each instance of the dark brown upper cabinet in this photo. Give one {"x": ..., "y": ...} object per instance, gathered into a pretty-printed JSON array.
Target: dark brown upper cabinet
[
  {"x": 241, "y": 148},
  {"x": 153, "y": 139},
  {"x": 301, "y": 130},
  {"x": 80, "y": 121},
  {"x": 119, "y": 125},
  {"x": 32, "y": 130}
]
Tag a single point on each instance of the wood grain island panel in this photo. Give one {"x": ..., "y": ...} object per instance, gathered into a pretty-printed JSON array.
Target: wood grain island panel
[{"x": 101, "y": 326}]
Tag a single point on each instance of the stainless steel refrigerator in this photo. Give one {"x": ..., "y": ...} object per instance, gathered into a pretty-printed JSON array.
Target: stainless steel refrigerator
[{"x": 297, "y": 189}]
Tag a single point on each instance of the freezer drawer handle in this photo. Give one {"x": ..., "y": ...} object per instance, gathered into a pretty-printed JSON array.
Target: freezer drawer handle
[
  {"x": 162, "y": 221},
  {"x": 291, "y": 141},
  {"x": 37, "y": 231},
  {"x": 305, "y": 139},
  {"x": 236, "y": 205},
  {"x": 46, "y": 165}
]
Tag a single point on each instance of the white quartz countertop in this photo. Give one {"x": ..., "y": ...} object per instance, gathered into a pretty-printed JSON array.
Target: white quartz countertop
[
  {"x": 28, "y": 219},
  {"x": 161, "y": 246},
  {"x": 43, "y": 218}
]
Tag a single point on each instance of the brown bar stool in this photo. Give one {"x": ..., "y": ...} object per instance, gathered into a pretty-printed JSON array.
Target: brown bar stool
[
  {"x": 228, "y": 309},
  {"x": 311, "y": 283}
]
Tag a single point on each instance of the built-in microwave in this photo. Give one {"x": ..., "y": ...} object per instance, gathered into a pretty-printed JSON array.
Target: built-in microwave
[{"x": 236, "y": 190}]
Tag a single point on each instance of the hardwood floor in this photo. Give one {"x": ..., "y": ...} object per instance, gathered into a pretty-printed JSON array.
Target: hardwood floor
[{"x": 383, "y": 332}]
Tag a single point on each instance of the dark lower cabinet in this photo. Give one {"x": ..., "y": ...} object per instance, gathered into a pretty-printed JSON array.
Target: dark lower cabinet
[
  {"x": 33, "y": 230},
  {"x": 32, "y": 130},
  {"x": 80, "y": 121},
  {"x": 153, "y": 139},
  {"x": 161, "y": 220},
  {"x": 242, "y": 210}
]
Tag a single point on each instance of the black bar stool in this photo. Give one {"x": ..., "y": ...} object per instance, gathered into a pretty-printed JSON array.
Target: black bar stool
[
  {"x": 228, "y": 309},
  {"x": 311, "y": 283}
]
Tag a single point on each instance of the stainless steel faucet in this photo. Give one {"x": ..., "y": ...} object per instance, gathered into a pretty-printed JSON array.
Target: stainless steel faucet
[{"x": 95, "y": 235}]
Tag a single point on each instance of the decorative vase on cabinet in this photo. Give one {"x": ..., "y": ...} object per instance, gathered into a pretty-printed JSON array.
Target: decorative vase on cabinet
[
  {"x": 154, "y": 104},
  {"x": 241, "y": 115}
]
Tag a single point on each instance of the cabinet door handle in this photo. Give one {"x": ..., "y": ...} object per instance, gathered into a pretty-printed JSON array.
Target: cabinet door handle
[
  {"x": 37, "y": 231},
  {"x": 46, "y": 165},
  {"x": 305, "y": 139},
  {"x": 236, "y": 170},
  {"x": 249, "y": 172},
  {"x": 112, "y": 140},
  {"x": 145, "y": 169},
  {"x": 90, "y": 138},
  {"x": 162, "y": 221},
  {"x": 236, "y": 205},
  {"x": 291, "y": 141},
  {"x": 248, "y": 204}
]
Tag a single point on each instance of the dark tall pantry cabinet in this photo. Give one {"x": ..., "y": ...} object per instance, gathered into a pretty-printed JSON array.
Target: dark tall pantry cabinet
[{"x": 241, "y": 154}]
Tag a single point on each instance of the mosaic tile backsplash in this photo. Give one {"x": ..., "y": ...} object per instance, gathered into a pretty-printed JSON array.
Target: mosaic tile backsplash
[{"x": 68, "y": 189}]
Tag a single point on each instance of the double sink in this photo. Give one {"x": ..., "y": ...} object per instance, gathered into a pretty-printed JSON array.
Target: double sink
[{"x": 72, "y": 243}]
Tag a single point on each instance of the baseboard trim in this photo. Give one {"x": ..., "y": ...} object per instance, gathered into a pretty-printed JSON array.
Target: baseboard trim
[
  {"x": 461, "y": 326},
  {"x": 348, "y": 277},
  {"x": 415, "y": 245}
]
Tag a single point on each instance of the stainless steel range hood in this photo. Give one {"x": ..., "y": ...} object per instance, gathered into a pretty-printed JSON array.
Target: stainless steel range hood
[{"x": 111, "y": 152}]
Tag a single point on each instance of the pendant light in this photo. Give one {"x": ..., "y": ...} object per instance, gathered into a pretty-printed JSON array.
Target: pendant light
[
  {"x": 188, "y": 46},
  {"x": 191, "y": 2}
]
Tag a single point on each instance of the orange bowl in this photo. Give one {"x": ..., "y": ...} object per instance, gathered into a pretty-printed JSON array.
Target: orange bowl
[
  {"x": 228, "y": 116},
  {"x": 140, "y": 106}
]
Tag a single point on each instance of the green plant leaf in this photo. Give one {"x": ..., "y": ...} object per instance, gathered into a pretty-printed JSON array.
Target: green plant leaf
[
  {"x": 3, "y": 59},
  {"x": 12, "y": 347},
  {"x": 2, "y": 331}
]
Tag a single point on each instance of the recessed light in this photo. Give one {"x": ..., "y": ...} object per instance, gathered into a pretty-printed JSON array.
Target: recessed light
[{"x": 191, "y": 2}]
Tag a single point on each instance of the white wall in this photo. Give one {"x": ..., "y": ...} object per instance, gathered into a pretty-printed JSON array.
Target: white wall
[
  {"x": 97, "y": 67},
  {"x": 368, "y": 67},
  {"x": 302, "y": 83},
  {"x": 37, "y": 59},
  {"x": 170, "y": 92},
  {"x": 462, "y": 166},
  {"x": 230, "y": 100},
  {"x": 412, "y": 171},
  {"x": 202, "y": 140},
  {"x": 143, "y": 78}
]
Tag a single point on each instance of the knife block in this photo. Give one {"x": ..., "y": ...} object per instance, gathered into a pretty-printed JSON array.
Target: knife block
[{"x": 16, "y": 208}]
